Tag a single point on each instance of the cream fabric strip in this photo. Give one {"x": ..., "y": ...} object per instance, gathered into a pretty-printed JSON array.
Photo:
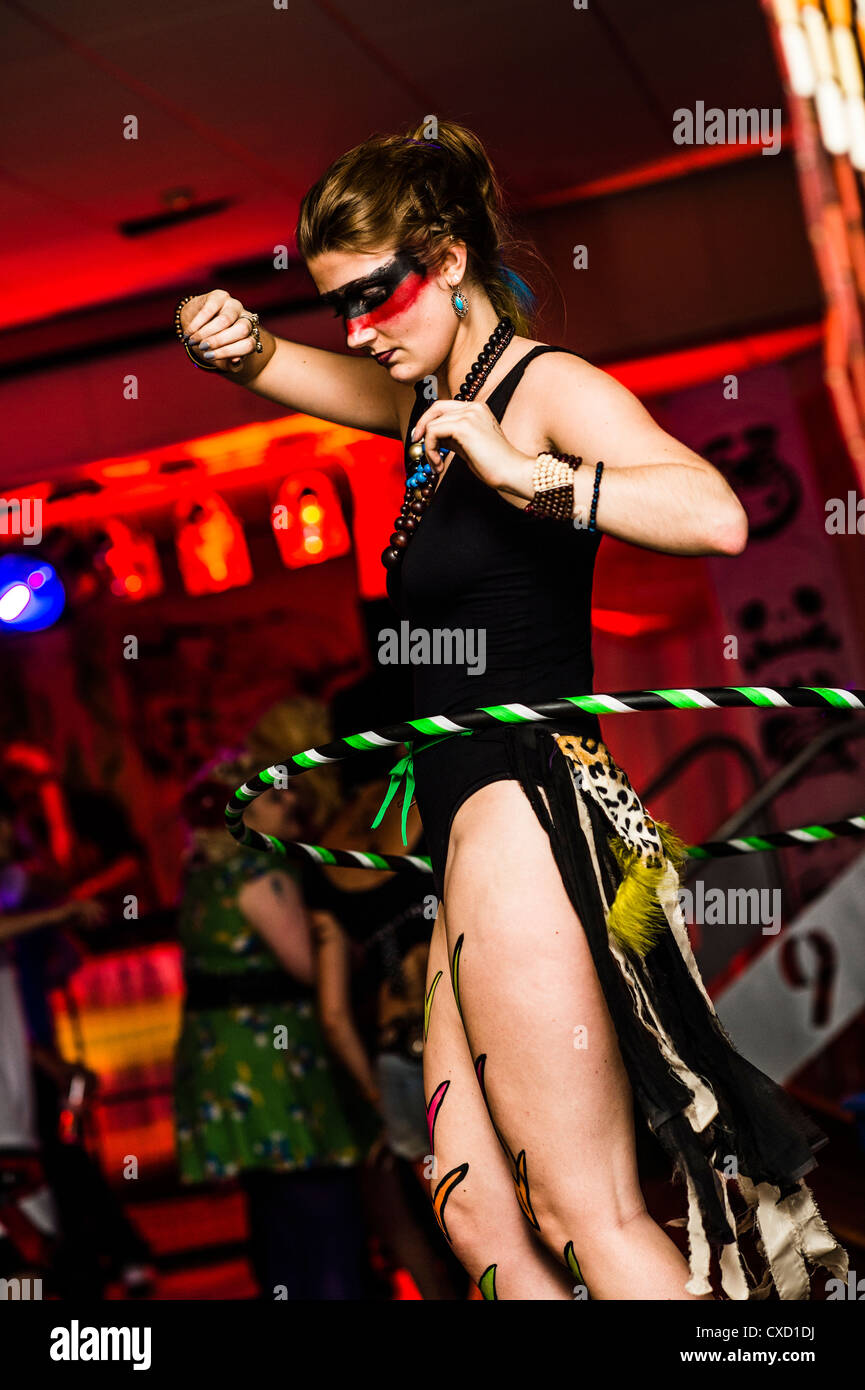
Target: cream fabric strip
[
  {"x": 733, "y": 1280},
  {"x": 668, "y": 896},
  {"x": 703, "y": 1107},
  {"x": 698, "y": 1246},
  {"x": 790, "y": 1231},
  {"x": 669, "y": 884}
]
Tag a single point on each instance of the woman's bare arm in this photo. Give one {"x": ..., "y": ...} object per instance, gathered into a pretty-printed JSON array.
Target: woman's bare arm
[
  {"x": 353, "y": 391},
  {"x": 334, "y": 1003},
  {"x": 655, "y": 492},
  {"x": 85, "y": 911},
  {"x": 274, "y": 907}
]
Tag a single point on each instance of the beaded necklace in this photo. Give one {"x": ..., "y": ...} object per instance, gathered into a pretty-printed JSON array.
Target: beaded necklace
[{"x": 418, "y": 488}]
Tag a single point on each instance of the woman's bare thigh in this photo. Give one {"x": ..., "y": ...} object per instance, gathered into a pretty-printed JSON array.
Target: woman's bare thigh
[
  {"x": 471, "y": 1178},
  {"x": 532, "y": 1002},
  {"x": 556, "y": 1087}
]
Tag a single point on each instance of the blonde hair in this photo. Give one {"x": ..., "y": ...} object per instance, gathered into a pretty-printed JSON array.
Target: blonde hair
[
  {"x": 291, "y": 726},
  {"x": 209, "y": 841},
  {"x": 420, "y": 193}
]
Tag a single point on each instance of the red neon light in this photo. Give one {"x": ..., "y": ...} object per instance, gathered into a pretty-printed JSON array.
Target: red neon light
[
  {"x": 674, "y": 371},
  {"x": 675, "y": 166},
  {"x": 630, "y": 624},
  {"x": 308, "y": 522},
  {"x": 211, "y": 547},
  {"x": 132, "y": 561}
]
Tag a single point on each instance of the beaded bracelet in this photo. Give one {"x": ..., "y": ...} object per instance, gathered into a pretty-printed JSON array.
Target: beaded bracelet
[
  {"x": 599, "y": 468},
  {"x": 553, "y": 486},
  {"x": 178, "y": 328}
]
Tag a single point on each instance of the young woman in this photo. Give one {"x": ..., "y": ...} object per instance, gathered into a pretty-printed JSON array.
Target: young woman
[
  {"x": 560, "y": 975},
  {"x": 373, "y": 944},
  {"x": 257, "y": 1095}
]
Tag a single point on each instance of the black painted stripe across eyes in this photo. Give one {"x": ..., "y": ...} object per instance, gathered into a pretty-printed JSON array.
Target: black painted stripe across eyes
[{"x": 350, "y": 301}]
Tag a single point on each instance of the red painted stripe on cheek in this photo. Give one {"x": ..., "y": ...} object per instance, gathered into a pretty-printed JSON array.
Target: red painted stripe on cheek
[{"x": 397, "y": 303}]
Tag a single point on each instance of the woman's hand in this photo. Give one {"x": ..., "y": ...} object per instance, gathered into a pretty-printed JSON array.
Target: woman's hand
[
  {"x": 379, "y": 1152},
  {"x": 470, "y": 429},
  {"x": 214, "y": 322},
  {"x": 86, "y": 912}
]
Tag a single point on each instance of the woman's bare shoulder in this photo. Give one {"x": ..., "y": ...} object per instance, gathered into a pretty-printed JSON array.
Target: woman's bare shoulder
[{"x": 564, "y": 379}]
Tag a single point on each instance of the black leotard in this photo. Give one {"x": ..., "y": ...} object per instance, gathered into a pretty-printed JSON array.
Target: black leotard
[{"x": 476, "y": 562}]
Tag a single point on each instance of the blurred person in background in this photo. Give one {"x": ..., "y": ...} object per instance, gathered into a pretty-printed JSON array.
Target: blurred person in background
[
  {"x": 97, "y": 1241},
  {"x": 30, "y": 1229},
  {"x": 257, "y": 1094},
  {"x": 373, "y": 931},
  {"x": 26, "y": 1205}
]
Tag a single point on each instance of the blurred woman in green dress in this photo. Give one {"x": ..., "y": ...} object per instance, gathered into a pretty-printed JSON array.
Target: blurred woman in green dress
[{"x": 258, "y": 1095}]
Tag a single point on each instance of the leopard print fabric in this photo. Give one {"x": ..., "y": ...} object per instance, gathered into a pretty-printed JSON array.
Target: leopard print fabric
[{"x": 594, "y": 769}]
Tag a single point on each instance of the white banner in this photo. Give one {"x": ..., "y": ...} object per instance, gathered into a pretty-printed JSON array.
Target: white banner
[{"x": 807, "y": 986}]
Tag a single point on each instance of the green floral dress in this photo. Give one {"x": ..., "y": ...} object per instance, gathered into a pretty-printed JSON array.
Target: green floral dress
[{"x": 255, "y": 1085}]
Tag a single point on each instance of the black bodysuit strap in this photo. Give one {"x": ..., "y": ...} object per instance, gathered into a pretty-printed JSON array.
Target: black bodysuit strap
[
  {"x": 498, "y": 398},
  {"x": 500, "y": 395}
]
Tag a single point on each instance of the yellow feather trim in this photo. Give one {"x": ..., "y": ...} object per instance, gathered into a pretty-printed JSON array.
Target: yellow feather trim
[{"x": 636, "y": 918}]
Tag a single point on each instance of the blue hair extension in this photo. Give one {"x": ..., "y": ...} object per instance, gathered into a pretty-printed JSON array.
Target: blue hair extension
[{"x": 525, "y": 298}]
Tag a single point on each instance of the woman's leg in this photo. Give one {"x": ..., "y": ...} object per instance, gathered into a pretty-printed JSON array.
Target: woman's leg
[
  {"x": 470, "y": 1183},
  {"x": 307, "y": 1237},
  {"x": 554, "y": 1080},
  {"x": 404, "y": 1232}
]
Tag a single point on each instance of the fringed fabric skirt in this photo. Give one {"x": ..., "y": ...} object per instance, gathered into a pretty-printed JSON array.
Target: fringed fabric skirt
[{"x": 721, "y": 1121}]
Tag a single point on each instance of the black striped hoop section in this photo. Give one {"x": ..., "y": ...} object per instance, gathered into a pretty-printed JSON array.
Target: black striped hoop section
[{"x": 840, "y": 700}]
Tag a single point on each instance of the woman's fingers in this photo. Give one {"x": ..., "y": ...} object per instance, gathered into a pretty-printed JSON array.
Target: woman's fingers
[
  {"x": 437, "y": 409},
  {"x": 220, "y": 323},
  {"x": 235, "y": 352},
  {"x": 232, "y": 342},
  {"x": 441, "y": 429},
  {"x": 456, "y": 413},
  {"x": 207, "y": 310},
  {"x": 224, "y": 327}
]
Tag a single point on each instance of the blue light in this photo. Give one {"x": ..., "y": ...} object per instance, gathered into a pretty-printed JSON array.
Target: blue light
[{"x": 32, "y": 596}]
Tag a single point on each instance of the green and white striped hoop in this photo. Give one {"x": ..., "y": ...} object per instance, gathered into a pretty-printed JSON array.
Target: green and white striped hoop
[{"x": 834, "y": 698}]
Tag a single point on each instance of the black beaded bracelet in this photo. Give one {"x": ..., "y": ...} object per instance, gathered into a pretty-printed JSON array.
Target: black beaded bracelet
[
  {"x": 599, "y": 468},
  {"x": 178, "y": 328}
]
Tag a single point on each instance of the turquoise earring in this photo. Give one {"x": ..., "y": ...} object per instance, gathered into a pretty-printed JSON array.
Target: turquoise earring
[{"x": 460, "y": 303}]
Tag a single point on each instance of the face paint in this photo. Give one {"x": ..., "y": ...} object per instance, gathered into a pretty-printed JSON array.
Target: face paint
[{"x": 386, "y": 291}]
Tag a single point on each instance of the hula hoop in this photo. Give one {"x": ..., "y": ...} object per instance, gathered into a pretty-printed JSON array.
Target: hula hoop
[{"x": 623, "y": 702}]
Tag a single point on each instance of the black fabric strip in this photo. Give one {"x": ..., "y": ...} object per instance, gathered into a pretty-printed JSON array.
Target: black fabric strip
[
  {"x": 211, "y": 991},
  {"x": 758, "y": 1125}
]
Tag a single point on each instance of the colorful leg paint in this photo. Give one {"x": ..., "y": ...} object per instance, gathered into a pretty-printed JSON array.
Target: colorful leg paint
[
  {"x": 573, "y": 1265},
  {"x": 432, "y": 1110},
  {"x": 487, "y": 1284},
  {"x": 443, "y": 1191},
  {"x": 455, "y": 974},
  {"x": 521, "y": 1182},
  {"x": 480, "y": 1063},
  {"x": 427, "y": 1003}
]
